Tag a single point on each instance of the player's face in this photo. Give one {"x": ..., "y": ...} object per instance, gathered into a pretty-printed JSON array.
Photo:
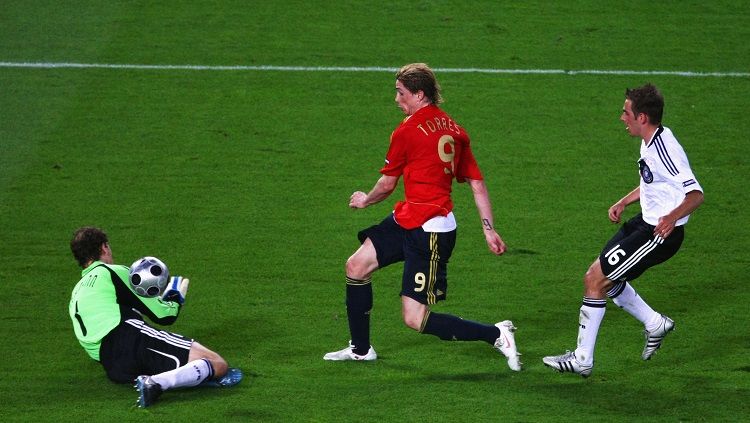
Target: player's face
[
  {"x": 407, "y": 101},
  {"x": 632, "y": 123}
]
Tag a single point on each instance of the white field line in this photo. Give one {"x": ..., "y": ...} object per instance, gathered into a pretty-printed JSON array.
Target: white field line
[{"x": 48, "y": 65}]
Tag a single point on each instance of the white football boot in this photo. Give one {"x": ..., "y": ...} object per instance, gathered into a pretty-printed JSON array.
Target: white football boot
[
  {"x": 568, "y": 363},
  {"x": 654, "y": 338},
  {"x": 506, "y": 344}
]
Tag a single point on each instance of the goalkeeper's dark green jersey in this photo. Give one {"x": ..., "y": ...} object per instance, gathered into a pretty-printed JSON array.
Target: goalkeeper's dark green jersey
[{"x": 103, "y": 298}]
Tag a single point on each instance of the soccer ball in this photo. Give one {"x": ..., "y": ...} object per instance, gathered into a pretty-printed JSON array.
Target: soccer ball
[{"x": 148, "y": 276}]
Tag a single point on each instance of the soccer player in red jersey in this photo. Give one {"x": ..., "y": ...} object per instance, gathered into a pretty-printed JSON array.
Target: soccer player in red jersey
[{"x": 429, "y": 149}]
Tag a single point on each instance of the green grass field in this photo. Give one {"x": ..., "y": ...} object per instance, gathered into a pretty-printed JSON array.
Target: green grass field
[{"x": 240, "y": 180}]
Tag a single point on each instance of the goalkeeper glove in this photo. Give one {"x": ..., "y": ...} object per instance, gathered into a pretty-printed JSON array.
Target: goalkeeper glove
[{"x": 176, "y": 289}]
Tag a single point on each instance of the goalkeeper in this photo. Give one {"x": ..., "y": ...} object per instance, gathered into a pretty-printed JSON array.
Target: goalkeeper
[{"x": 107, "y": 319}]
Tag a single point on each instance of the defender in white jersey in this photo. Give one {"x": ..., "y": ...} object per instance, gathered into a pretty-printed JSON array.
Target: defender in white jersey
[{"x": 668, "y": 193}]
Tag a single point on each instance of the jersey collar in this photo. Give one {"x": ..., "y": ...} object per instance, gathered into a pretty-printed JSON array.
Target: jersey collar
[
  {"x": 658, "y": 132},
  {"x": 91, "y": 267}
]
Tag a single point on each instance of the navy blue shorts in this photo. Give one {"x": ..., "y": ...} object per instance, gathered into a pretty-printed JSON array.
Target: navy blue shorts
[
  {"x": 134, "y": 348},
  {"x": 425, "y": 256},
  {"x": 635, "y": 248}
]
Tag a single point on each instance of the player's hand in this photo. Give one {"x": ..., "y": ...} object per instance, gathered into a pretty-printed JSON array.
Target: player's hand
[
  {"x": 615, "y": 212},
  {"x": 665, "y": 226},
  {"x": 176, "y": 289},
  {"x": 496, "y": 244},
  {"x": 358, "y": 200}
]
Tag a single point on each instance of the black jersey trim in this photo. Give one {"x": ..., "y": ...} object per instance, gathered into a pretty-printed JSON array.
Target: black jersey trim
[{"x": 661, "y": 150}]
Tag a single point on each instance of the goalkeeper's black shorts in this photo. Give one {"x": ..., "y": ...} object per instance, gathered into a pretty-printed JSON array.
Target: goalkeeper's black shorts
[{"x": 134, "y": 348}]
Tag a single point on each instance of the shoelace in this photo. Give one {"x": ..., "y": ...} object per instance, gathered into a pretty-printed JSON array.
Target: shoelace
[{"x": 567, "y": 356}]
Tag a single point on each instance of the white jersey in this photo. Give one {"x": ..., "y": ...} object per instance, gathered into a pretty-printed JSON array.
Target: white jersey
[{"x": 665, "y": 176}]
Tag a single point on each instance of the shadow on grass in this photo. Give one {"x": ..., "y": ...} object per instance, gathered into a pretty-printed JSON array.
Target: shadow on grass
[{"x": 470, "y": 377}]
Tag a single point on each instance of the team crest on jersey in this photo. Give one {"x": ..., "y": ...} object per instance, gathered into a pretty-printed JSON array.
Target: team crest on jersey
[{"x": 646, "y": 174}]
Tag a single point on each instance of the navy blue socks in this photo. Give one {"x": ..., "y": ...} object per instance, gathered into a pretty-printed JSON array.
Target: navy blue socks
[{"x": 358, "y": 306}]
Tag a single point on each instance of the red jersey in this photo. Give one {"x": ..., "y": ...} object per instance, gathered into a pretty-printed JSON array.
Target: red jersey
[{"x": 429, "y": 149}]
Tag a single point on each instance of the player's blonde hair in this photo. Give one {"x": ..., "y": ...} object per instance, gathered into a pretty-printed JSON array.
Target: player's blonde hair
[{"x": 419, "y": 77}]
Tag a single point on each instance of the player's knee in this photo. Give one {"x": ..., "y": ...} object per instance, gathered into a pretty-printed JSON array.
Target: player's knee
[
  {"x": 413, "y": 312},
  {"x": 589, "y": 280},
  {"x": 363, "y": 262},
  {"x": 413, "y": 322},
  {"x": 596, "y": 284},
  {"x": 351, "y": 267},
  {"x": 219, "y": 365},
  {"x": 593, "y": 275},
  {"x": 357, "y": 269},
  {"x": 413, "y": 319}
]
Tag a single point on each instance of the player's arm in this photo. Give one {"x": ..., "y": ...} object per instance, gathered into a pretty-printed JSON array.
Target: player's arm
[
  {"x": 666, "y": 224},
  {"x": 158, "y": 311},
  {"x": 615, "y": 212},
  {"x": 382, "y": 189},
  {"x": 482, "y": 200}
]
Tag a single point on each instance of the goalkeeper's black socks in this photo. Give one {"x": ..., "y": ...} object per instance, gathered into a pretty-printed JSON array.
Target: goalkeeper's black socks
[{"x": 358, "y": 306}]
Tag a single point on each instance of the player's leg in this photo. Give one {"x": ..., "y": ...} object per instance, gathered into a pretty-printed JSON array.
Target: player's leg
[
  {"x": 381, "y": 246},
  {"x": 425, "y": 282},
  {"x": 414, "y": 313},
  {"x": 160, "y": 361},
  {"x": 218, "y": 364},
  {"x": 223, "y": 375},
  {"x": 626, "y": 297},
  {"x": 363, "y": 263},
  {"x": 203, "y": 365},
  {"x": 649, "y": 250},
  {"x": 625, "y": 257},
  {"x": 445, "y": 326},
  {"x": 359, "y": 269},
  {"x": 173, "y": 361},
  {"x": 591, "y": 313},
  {"x": 656, "y": 325},
  {"x": 451, "y": 328},
  {"x": 592, "y": 310}
]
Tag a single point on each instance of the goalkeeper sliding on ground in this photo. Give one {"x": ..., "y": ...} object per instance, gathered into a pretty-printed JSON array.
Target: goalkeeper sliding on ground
[{"x": 108, "y": 321}]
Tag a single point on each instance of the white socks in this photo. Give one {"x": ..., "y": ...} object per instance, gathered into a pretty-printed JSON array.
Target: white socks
[
  {"x": 590, "y": 318},
  {"x": 630, "y": 301},
  {"x": 188, "y": 375},
  {"x": 592, "y": 313}
]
